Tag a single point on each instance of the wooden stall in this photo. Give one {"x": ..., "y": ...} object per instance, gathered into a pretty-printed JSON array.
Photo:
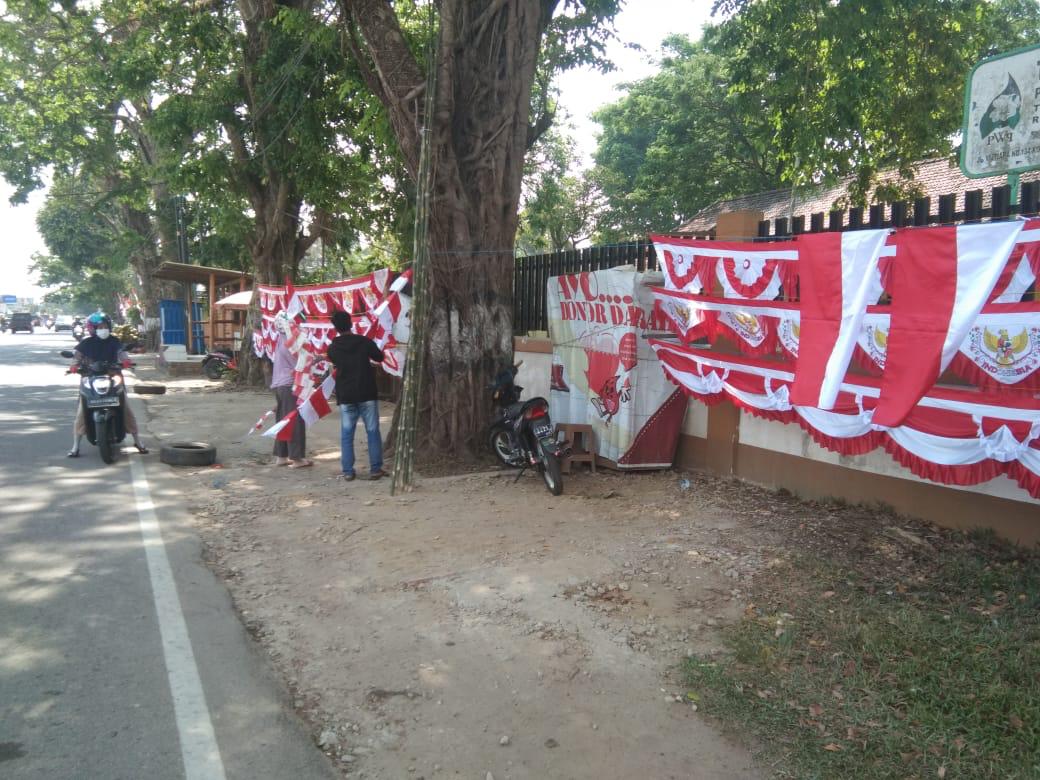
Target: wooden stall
[{"x": 208, "y": 325}]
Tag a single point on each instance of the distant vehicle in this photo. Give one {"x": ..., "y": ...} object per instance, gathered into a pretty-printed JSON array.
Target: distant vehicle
[
  {"x": 64, "y": 322},
  {"x": 21, "y": 320}
]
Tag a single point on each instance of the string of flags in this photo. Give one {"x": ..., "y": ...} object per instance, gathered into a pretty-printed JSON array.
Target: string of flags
[
  {"x": 380, "y": 308},
  {"x": 854, "y": 336}
]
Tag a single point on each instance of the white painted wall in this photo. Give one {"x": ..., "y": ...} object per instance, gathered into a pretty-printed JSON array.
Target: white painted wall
[
  {"x": 792, "y": 440},
  {"x": 696, "y": 421}
]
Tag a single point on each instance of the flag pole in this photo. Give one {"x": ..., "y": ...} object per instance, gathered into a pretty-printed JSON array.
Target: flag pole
[{"x": 411, "y": 393}]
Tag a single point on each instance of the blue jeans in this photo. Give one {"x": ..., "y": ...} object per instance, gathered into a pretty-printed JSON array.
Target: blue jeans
[{"x": 368, "y": 411}]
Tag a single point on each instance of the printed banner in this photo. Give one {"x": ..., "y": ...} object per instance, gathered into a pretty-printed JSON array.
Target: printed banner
[{"x": 605, "y": 375}]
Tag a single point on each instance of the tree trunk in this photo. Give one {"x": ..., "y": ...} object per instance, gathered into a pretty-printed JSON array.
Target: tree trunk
[
  {"x": 277, "y": 245},
  {"x": 488, "y": 51}
]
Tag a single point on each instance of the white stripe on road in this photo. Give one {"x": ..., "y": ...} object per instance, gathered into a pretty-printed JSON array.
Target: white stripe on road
[{"x": 199, "y": 748}]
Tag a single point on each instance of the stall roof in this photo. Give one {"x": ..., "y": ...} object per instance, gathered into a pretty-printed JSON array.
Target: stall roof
[
  {"x": 239, "y": 300},
  {"x": 199, "y": 274}
]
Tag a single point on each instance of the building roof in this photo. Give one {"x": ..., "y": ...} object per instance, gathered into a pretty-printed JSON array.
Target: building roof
[
  {"x": 935, "y": 177},
  {"x": 199, "y": 274}
]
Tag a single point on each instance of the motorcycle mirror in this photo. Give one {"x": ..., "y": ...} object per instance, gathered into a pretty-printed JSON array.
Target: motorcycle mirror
[{"x": 67, "y": 354}]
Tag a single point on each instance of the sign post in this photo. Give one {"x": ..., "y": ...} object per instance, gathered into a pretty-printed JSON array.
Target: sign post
[{"x": 1001, "y": 132}]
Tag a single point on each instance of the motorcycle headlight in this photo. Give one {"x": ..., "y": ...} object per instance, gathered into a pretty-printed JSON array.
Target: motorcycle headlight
[
  {"x": 117, "y": 379},
  {"x": 84, "y": 381},
  {"x": 101, "y": 384}
]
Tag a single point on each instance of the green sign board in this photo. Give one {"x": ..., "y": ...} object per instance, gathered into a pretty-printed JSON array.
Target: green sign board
[{"x": 1002, "y": 115}]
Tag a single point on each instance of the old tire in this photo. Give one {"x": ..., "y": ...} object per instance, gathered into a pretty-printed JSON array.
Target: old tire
[
  {"x": 188, "y": 453},
  {"x": 150, "y": 389}
]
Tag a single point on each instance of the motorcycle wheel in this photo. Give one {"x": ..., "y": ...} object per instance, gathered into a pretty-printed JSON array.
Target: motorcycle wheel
[
  {"x": 551, "y": 474},
  {"x": 501, "y": 447},
  {"x": 213, "y": 369},
  {"x": 104, "y": 441}
]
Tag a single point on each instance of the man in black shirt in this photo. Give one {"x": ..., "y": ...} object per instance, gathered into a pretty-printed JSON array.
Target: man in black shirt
[{"x": 353, "y": 355}]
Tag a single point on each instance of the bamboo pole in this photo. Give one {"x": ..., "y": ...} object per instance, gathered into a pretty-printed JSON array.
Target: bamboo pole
[{"x": 411, "y": 393}]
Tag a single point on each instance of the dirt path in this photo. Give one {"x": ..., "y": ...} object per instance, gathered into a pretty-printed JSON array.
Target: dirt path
[{"x": 475, "y": 627}]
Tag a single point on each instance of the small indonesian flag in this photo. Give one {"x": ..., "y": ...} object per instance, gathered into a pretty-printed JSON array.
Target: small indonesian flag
[
  {"x": 260, "y": 423},
  {"x": 294, "y": 307},
  {"x": 382, "y": 320},
  {"x": 401, "y": 281},
  {"x": 317, "y": 404},
  {"x": 283, "y": 429}
]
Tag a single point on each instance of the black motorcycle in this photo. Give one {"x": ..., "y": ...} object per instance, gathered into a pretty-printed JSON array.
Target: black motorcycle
[
  {"x": 103, "y": 395},
  {"x": 522, "y": 434},
  {"x": 218, "y": 362},
  {"x": 78, "y": 330}
]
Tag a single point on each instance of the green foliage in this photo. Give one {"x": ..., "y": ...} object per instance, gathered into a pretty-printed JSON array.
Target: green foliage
[
  {"x": 677, "y": 142},
  {"x": 559, "y": 203},
  {"x": 858, "y": 86},
  {"x": 88, "y": 262},
  {"x": 932, "y": 677},
  {"x": 127, "y": 333}
]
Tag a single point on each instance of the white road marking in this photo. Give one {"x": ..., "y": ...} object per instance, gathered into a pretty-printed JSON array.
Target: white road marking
[{"x": 199, "y": 749}]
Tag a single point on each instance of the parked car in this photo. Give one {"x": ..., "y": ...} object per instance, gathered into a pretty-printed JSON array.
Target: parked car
[
  {"x": 64, "y": 322},
  {"x": 21, "y": 320}
]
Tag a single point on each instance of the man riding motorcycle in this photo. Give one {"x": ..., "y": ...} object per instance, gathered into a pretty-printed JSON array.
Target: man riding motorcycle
[{"x": 100, "y": 345}]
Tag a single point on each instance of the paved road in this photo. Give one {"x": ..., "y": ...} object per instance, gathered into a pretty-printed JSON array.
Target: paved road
[{"x": 120, "y": 655}]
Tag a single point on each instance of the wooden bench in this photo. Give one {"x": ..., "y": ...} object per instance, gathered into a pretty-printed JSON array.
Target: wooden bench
[{"x": 586, "y": 452}]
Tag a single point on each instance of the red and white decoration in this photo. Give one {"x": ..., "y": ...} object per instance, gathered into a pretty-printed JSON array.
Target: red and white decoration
[
  {"x": 604, "y": 374},
  {"x": 303, "y": 315},
  {"x": 956, "y": 437},
  {"x": 316, "y": 303},
  {"x": 859, "y": 375},
  {"x": 941, "y": 279}
]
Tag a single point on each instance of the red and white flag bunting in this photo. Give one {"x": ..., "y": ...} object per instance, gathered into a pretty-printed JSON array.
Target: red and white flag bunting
[
  {"x": 955, "y": 304},
  {"x": 836, "y": 272},
  {"x": 942, "y": 277}
]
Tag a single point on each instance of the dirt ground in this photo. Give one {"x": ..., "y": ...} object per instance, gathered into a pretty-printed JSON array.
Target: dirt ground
[{"x": 479, "y": 627}]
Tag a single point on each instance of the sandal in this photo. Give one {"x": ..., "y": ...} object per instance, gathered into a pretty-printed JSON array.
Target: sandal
[
  {"x": 281, "y": 462},
  {"x": 142, "y": 449},
  {"x": 300, "y": 464}
]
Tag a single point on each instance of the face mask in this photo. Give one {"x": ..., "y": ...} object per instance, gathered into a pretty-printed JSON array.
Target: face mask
[{"x": 102, "y": 333}]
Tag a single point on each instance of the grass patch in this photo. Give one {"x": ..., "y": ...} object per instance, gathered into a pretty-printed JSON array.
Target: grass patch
[{"x": 844, "y": 671}]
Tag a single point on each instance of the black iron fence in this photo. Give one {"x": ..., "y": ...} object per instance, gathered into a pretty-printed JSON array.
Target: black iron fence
[
  {"x": 970, "y": 206},
  {"x": 533, "y": 271}
]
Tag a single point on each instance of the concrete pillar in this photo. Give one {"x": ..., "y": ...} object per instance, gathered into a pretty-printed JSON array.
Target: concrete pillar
[{"x": 724, "y": 418}]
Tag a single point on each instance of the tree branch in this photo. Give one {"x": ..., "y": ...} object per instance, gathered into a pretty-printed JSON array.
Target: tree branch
[{"x": 395, "y": 68}]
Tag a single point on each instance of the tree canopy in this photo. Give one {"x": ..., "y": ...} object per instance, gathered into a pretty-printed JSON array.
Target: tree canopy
[
  {"x": 678, "y": 141},
  {"x": 855, "y": 87}
]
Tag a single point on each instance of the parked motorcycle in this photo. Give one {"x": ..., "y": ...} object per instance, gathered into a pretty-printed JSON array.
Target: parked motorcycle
[
  {"x": 218, "y": 362},
  {"x": 522, "y": 433},
  {"x": 103, "y": 395}
]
